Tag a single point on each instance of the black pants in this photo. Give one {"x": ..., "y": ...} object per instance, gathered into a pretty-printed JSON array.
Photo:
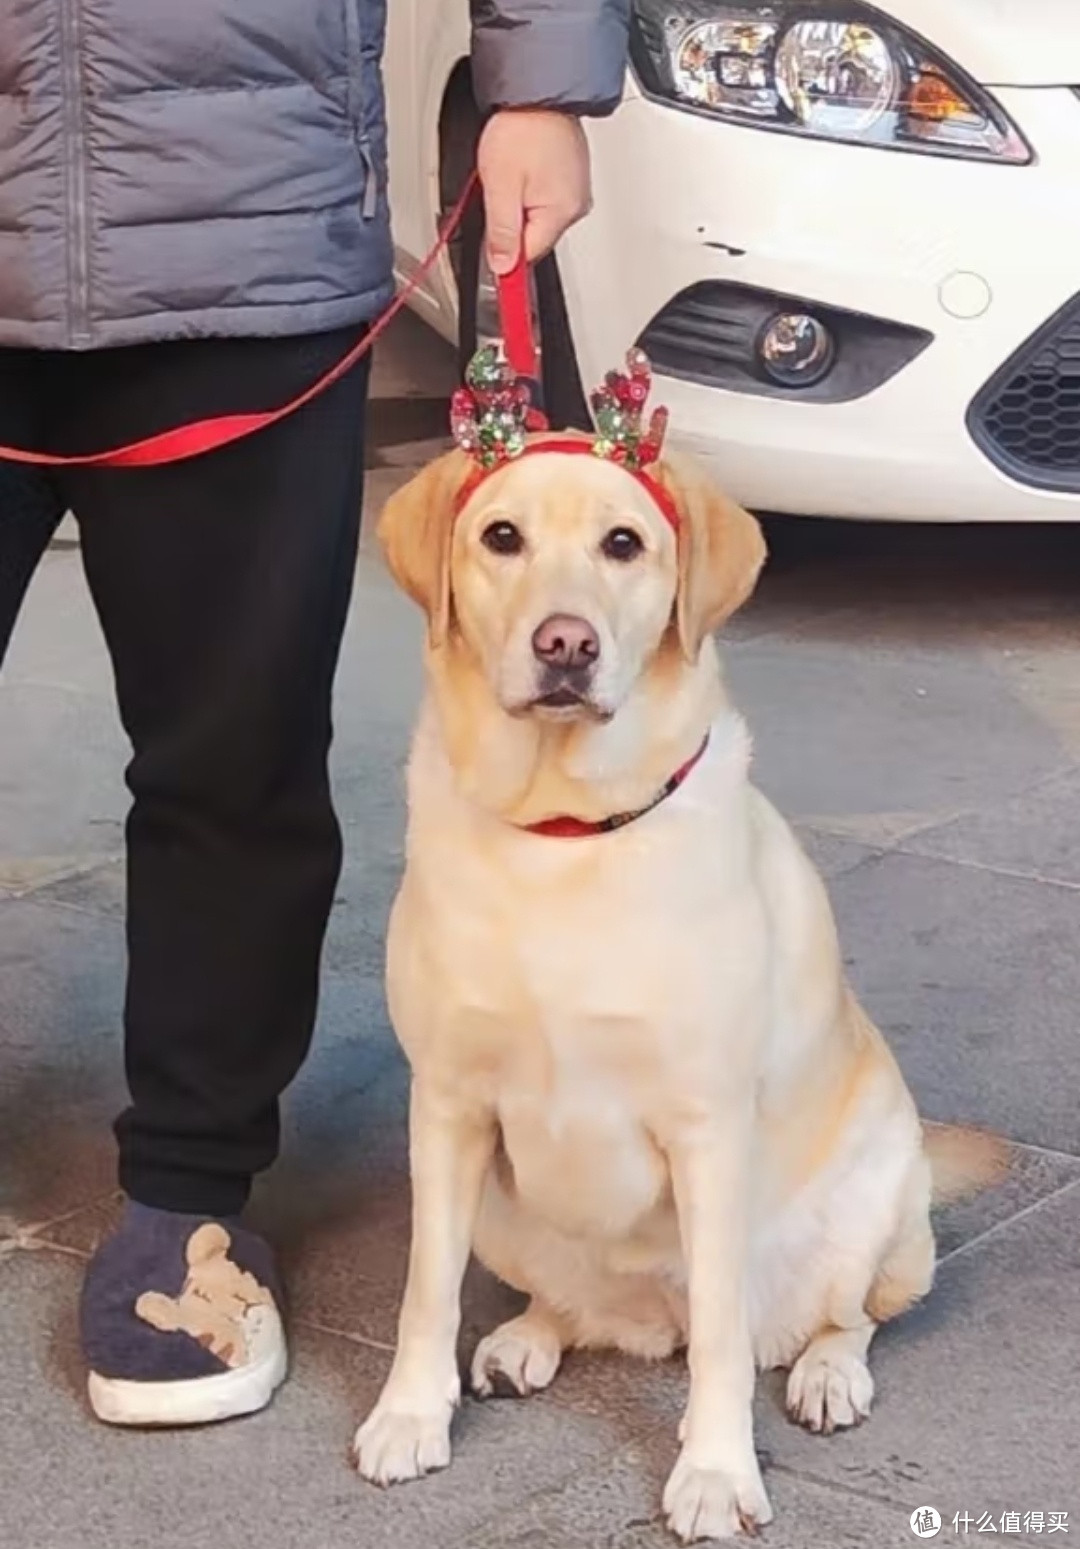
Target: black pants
[{"x": 222, "y": 585}]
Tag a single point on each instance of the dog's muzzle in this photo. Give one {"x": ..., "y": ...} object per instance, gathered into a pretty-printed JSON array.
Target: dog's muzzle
[{"x": 567, "y": 650}]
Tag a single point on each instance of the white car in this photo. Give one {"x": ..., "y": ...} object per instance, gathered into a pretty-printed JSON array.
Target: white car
[{"x": 847, "y": 236}]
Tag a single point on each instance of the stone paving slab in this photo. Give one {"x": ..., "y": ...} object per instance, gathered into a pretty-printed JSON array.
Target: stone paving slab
[
  {"x": 1035, "y": 835},
  {"x": 842, "y": 739},
  {"x": 832, "y": 855},
  {"x": 61, "y": 1082},
  {"x": 975, "y": 979}
]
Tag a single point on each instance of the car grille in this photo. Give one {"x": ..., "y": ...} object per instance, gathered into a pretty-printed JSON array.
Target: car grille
[{"x": 1027, "y": 418}]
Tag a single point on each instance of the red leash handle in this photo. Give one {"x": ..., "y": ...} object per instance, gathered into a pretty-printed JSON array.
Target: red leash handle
[
  {"x": 208, "y": 435},
  {"x": 515, "y": 320},
  {"x": 516, "y": 327}
]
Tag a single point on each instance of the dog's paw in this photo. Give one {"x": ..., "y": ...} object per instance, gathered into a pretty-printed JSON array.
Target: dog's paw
[
  {"x": 715, "y": 1503},
  {"x": 830, "y": 1388},
  {"x": 392, "y": 1447},
  {"x": 519, "y": 1358}
]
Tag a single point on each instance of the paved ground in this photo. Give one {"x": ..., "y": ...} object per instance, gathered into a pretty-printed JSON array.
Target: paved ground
[{"x": 916, "y": 700}]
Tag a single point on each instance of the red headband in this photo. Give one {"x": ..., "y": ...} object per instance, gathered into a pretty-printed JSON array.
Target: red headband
[{"x": 575, "y": 446}]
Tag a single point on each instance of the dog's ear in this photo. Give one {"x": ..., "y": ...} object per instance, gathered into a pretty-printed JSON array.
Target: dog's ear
[
  {"x": 721, "y": 552},
  {"x": 415, "y": 531}
]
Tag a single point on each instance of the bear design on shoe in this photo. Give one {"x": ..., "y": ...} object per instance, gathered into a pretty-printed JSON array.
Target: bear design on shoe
[{"x": 220, "y": 1305}]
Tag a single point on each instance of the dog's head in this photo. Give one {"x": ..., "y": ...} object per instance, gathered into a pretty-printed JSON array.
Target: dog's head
[{"x": 562, "y": 577}]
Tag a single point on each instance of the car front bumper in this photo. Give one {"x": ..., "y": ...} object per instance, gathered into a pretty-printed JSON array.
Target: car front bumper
[{"x": 978, "y": 255}]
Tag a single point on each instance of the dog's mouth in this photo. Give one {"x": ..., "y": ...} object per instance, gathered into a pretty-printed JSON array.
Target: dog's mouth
[
  {"x": 564, "y": 693},
  {"x": 563, "y": 698},
  {"x": 566, "y": 704}
]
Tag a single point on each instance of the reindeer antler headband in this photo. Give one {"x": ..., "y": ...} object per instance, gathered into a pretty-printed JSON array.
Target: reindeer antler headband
[{"x": 490, "y": 420}]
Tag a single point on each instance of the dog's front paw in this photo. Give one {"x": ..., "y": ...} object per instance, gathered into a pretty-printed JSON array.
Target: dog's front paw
[
  {"x": 701, "y": 1502},
  {"x": 393, "y": 1446}
]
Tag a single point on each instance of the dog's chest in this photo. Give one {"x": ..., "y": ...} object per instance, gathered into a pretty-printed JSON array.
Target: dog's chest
[
  {"x": 572, "y": 967},
  {"x": 573, "y": 1054},
  {"x": 581, "y": 1004}
]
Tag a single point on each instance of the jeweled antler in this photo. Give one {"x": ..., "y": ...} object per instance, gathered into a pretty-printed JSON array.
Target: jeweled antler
[
  {"x": 619, "y": 407},
  {"x": 487, "y": 415}
]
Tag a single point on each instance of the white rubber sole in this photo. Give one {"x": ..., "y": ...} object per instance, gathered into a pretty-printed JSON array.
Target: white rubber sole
[{"x": 197, "y": 1401}]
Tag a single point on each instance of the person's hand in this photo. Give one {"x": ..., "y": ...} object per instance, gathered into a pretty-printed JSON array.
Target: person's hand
[{"x": 534, "y": 167}]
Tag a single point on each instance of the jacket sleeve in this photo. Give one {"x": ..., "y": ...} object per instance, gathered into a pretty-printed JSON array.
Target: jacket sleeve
[{"x": 563, "y": 54}]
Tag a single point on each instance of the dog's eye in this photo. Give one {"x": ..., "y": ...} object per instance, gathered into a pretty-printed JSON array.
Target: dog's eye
[
  {"x": 502, "y": 538},
  {"x": 622, "y": 544}
]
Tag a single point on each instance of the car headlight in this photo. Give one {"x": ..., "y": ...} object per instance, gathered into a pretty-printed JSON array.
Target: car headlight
[{"x": 836, "y": 72}]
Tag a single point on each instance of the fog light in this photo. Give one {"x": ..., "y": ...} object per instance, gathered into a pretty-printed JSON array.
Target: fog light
[{"x": 796, "y": 349}]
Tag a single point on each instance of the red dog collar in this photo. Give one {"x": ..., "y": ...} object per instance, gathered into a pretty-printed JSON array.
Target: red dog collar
[{"x": 578, "y": 828}]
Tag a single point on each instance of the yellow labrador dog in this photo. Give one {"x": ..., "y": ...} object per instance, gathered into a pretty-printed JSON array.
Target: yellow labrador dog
[{"x": 642, "y": 1092}]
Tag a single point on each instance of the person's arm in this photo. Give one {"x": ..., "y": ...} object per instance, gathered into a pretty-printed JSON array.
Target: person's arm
[
  {"x": 569, "y": 55},
  {"x": 538, "y": 67}
]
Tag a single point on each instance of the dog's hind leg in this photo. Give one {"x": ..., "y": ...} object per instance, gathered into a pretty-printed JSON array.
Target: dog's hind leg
[
  {"x": 521, "y": 1356},
  {"x": 830, "y": 1386}
]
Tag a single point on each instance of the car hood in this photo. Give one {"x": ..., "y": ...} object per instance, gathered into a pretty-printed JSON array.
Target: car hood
[{"x": 1001, "y": 42}]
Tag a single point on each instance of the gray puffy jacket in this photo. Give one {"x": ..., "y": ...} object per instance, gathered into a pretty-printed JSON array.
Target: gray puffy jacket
[{"x": 181, "y": 168}]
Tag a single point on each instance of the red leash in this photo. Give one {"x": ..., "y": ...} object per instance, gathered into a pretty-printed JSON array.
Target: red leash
[
  {"x": 515, "y": 320},
  {"x": 208, "y": 435}
]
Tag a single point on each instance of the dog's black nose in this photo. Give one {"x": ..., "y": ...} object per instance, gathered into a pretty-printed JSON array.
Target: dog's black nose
[{"x": 565, "y": 641}]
